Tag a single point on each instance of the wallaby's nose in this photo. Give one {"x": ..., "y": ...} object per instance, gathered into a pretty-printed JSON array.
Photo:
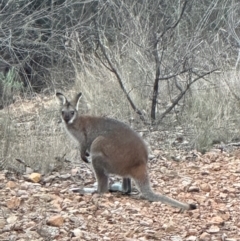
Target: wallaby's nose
[{"x": 67, "y": 118}]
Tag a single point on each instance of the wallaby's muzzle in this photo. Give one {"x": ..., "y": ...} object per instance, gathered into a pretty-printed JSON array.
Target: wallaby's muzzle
[{"x": 67, "y": 116}]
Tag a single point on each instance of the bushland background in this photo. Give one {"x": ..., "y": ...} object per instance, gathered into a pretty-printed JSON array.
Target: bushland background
[
  {"x": 169, "y": 68},
  {"x": 160, "y": 65}
]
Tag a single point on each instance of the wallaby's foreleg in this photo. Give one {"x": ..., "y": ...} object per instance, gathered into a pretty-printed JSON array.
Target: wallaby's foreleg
[
  {"x": 84, "y": 153},
  {"x": 124, "y": 187}
]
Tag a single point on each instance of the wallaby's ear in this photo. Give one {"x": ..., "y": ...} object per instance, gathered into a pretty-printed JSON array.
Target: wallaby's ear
[
  {"x": 77, "y": 100},
  {"x": 62, "y": 98}
]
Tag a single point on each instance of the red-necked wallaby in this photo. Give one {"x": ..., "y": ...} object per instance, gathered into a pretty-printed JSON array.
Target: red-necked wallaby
[{"x": 114, "y": 149}]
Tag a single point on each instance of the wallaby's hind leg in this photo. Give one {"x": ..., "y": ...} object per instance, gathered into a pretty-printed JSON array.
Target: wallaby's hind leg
[
  {"x": 124, "y": 187},
  {"x": 98, "y": 164}
]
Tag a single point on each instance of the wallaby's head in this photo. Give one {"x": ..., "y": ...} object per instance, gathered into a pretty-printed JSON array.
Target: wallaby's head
[{"x": 69, "y": 109}]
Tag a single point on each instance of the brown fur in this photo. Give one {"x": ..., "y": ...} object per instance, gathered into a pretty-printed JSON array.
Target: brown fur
[{"x": 114, "y": 148}]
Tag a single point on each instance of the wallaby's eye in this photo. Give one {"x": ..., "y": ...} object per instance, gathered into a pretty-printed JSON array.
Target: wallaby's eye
[
  {"x": 62, "y": 112},
  {"x": 72, "y": 112}
]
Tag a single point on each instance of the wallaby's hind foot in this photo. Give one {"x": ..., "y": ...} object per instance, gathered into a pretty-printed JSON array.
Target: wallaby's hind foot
[{"x": 84, "y": 190}]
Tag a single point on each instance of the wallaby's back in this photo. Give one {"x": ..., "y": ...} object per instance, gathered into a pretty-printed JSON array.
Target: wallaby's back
[{"x": 115, "y": 140}]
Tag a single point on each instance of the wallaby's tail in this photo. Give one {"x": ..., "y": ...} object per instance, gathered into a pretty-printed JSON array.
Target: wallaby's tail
[{"x": 148, "y": 194}]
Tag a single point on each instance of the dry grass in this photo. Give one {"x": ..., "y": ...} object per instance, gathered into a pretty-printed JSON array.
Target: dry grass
[
  {"x": 30, "y": 131},
  {"x": 211, "y": 112}
]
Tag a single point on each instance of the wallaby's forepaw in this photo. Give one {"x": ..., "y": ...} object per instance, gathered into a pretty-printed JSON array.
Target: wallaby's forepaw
[{"x": 87, "y": 159}]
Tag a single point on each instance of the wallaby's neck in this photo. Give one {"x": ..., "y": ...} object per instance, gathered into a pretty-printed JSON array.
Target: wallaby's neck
[{"x": 82, "y": 128}]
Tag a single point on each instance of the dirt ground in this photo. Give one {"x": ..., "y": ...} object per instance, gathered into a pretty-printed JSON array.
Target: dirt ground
[{"x": 46, "y": 209}]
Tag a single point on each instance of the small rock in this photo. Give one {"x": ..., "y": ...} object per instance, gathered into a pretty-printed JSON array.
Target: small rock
[
  {"x": 29, "y": 170},
  {"x": 225, "y": 216},
  {"x": 151, "y": 157},
  {"x": 216, "y": 167},
  {"x": 169, "y": 227},
  {"x": 105, "y": 213},
  {"x": 191, "y": 238},
  {"x": 192, "y": 232},
  {"x": 157, "y": 152},
  {"x": 2, "y": 223},
  {"x": 83, "y": 210},
  {"x": 11, "y": 184},
  {"x": 74, "y": 171},
  {"x": 35, "y": 177},
  {"x": 236, "y": 185},
  {"x": 77, "y": 233},
  {"x": 163, "y": 170},
  {"x": 146, "y": 222},
  {"x": 24, "y": 186},
  {"x": 56, "y": 221},
  {"x": 48, "y": 232},
  {"x": 56, "y": 206},
  {"x": 176, "y": 158},
  {"x": 2, "y": 177},
  {"x": 22, "y": 193},
  {"x": 13, "y": 203},
  {"x": 46, "y": 197},
  {"x": 217, "y": 220},
  {"x": 11, "y": 219},
  {"x": 205, "y": 187},
  {"x": 193, "y": 189},
  {"x": 231, "y": 190},
  {"x": 49, "y": 178},
  {"x": 214, "y": 229},
  {"x": 204, "y": 173},
  {"x": 65, "y": 176},
  {"x": 205, "y": 237}
]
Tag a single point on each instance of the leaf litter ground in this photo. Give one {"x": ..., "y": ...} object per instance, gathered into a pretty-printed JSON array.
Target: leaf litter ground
[{"x": 48, "y": 210}]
